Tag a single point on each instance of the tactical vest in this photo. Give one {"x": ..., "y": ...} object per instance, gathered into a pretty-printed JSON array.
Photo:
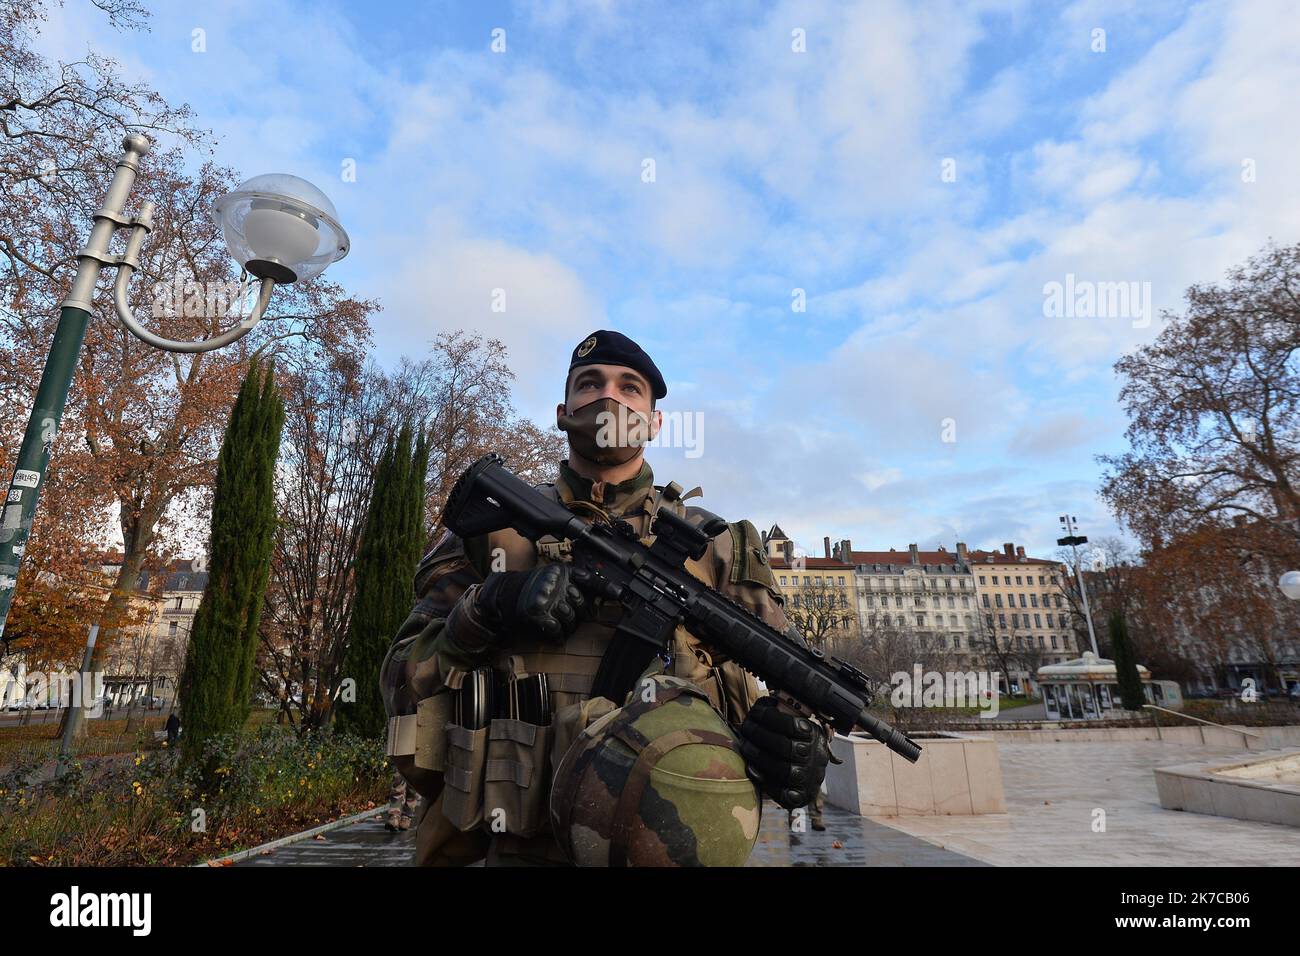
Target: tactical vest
[{"x": 497, "y": 777}]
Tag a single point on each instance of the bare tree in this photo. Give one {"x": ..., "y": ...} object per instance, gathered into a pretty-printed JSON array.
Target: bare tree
[{"x": 821, "y": 612}]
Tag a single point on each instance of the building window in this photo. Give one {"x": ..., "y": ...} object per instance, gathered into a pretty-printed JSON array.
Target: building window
[
  {"x": 997, "y": 599},
  {"x": 1063, "y": 624},
  {"x": 1017, "y": 579},
  {"x": 796, "y": 600},
  {"x": 1002, "y": 621},
  {"x": 898, "y": 600},
  {"x": 1033, "y": 600},
  {"x": 179, "y": 602},
  {"x": 841, "y": 580},
  {"x": 920, "y": 620},
  {"x": 1038, "y": 621},
  {"x": 171, "y": 629},
  {"x": 986, "y": 599},
  {"x": 952, "y": 601},
  {"x": 1040, "y": 580},
  {"x": 1053, "y": 642},
  {"x": 783, "y": 580},
  {"x": 989, "y": 619},
  {"x": 956, "y": 643},
  {"x": 981, "y": 579},
  {"x": 1022, "y": 601},
  {"x": 965, "y": 601}
]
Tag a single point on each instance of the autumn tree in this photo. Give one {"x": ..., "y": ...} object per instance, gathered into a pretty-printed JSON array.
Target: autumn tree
[
  {"x": 1213, "y": 408},
  {"x": 142, "y": 426}
]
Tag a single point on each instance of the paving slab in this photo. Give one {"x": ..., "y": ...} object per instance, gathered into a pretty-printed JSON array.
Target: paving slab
[{"x": 1053, "y": 791}]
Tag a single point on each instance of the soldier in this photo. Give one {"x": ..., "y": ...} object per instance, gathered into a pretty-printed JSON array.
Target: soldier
[{"x": 488, "y": 681}]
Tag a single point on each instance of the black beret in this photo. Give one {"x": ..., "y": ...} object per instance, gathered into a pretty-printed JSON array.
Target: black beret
[{"x": 604, "y": 347}]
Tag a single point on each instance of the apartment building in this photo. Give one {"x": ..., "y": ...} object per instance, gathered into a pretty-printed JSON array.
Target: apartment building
[
  {"x": 1023, "y": 607},
  {"x": 928, "y": 593}
]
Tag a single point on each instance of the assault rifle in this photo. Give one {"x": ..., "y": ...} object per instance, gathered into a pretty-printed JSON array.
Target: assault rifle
[{"x": 658, "y": 593}]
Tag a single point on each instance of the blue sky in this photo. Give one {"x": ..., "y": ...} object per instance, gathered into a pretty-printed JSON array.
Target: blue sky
[{"x": 778, "y": 170}]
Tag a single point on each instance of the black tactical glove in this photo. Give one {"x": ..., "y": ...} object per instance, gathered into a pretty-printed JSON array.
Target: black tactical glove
[
  {"x": 785, "y": 754},
  {"x": 542, "y": 602}
]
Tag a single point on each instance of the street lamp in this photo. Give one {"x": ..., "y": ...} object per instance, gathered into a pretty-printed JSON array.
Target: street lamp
[
  {"x": 1070, "y": 525},
  {"x": 280, "y": 228}
]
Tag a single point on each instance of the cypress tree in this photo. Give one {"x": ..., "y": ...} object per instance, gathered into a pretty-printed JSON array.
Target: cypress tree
[
  {"x": 1126, "y": 672},
  {"x": 387, "y": 557},
  {"x": 217, "y": 681}
]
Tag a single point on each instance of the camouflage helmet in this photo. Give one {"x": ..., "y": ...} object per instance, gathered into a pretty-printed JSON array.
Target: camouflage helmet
[{"x": 657, "y": 782}]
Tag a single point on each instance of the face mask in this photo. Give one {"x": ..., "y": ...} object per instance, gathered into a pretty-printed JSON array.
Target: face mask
[{"x": 606, "y": 431}]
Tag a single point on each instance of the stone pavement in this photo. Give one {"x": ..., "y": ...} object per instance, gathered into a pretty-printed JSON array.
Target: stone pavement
[
  {"x": 1053, "y": 789},
  {"x": 861, "y": 843}
]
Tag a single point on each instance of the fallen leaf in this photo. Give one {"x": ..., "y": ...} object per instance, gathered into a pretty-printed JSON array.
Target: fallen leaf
[
  {"x": 837, "y": 845},
  {"x": 319, "y": 836}
]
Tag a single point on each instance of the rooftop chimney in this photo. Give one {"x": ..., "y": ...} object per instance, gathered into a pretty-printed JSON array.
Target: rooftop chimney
[
  {"x": 1009, "y": 549},
  {"x": 961, "y": 550},
  {"x": 826, "y": 542},
  {"x": 788, "y": 546},
  {"x": 916, "y": 559},
  {"x": 1020, "y": 551},
  {"x": 846, "y": 551}
]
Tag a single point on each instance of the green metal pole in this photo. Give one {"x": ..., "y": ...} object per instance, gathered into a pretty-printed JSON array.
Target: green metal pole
[
  {"x": 43, "y": 426},
  {"x": 34, "y": 456}
]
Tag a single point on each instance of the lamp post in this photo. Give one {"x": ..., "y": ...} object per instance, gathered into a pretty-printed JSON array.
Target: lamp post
[
  {"x": 1070, "y": 525},
  {"x": 279, "y": 228}
]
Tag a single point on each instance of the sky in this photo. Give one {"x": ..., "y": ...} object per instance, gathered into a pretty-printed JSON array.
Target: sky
[{"x": 836, "y": 227}]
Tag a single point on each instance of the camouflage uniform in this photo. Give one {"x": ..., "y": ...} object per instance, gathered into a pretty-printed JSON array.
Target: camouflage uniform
[{"x": 424, "y": 661}]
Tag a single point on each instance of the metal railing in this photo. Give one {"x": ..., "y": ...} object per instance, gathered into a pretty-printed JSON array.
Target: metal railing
[{"x": 1235, "y": 730}]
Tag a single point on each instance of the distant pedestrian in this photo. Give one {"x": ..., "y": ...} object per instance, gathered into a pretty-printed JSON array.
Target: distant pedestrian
[
  {"x": 402, "y": 801},
  {"x": 173, "y": 729}
]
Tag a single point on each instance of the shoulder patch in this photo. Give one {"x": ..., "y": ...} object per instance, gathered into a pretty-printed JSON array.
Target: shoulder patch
[{"x": 749, "y": 562}]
